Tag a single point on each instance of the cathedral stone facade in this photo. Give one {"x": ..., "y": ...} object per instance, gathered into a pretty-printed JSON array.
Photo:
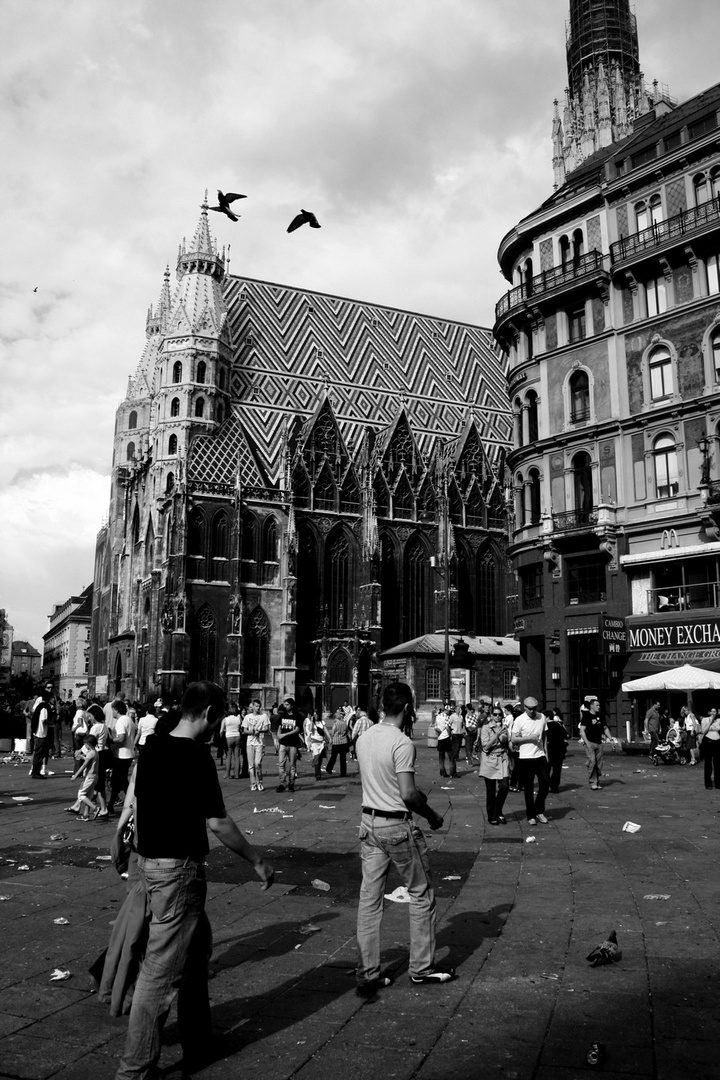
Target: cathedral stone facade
[{"x": 285, "y": 465}]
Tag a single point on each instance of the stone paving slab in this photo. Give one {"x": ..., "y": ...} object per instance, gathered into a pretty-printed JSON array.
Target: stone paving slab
[{"x": 517, "y": 920}]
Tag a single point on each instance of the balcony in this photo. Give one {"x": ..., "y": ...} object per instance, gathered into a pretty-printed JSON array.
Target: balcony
[
  {"x": 559, "y": 279},
  {"x": 666, "y": 233},
  {"x": 688, "y": 598},
  {"x": 574, "y": 520}
]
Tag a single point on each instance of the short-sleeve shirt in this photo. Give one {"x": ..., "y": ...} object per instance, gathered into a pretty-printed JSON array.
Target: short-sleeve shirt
[
  {"x": 169, "y": 827},
  {"x": 256, "y": 724},
  {"x": 231, "y": 726},
  {"x": 526, "y": 727},
  {"x": 382, "y": 753},
  {"x": 594, "y": 727}
]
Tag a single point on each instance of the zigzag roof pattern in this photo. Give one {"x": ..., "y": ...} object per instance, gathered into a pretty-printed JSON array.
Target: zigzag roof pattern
[{"x": 292, "y": 345}]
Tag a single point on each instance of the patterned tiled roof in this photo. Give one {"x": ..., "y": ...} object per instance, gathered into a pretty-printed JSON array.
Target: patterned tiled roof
[
  {"x": 226, "y": 454},
  {"x": 293, "y": 344}
]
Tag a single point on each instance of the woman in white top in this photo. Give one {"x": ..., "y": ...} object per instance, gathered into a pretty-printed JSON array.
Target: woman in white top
[{"x": 230, "y": 728}]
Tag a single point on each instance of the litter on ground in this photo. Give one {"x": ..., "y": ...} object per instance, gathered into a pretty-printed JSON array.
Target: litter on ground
[
  {"x": 630, "y": 826},
  {"x": 62, "y": 921},
  {"x": 399, "y": 896},
  {"x": 58, "y": 975},
  {"x": 321, "y": 885}
]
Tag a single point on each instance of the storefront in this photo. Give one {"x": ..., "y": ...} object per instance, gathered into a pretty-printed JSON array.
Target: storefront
[{"x": 657, "y": 645}]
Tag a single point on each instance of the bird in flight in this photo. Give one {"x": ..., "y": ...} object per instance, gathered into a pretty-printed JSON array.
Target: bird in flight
[
  {"x": 35, "y": 289},
  {"x": 225, "y": 200},
  {"x": 305, "y": 217}
]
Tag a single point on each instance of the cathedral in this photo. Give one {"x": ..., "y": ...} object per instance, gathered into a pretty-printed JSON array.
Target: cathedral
[{"x": 297, "y": 478}]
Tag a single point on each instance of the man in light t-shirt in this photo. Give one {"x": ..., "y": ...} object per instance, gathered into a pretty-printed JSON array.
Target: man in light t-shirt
[
  {"x": 388, "y": 836},
  {"x": 256, "y": 723},
  {"x": 529, "y": 737}
]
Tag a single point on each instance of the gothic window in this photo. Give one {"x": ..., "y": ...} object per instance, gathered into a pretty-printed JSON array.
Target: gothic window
[
  {"x": 270, "y": 565},
  {"x": 177, "y": 372},
  {"x": 660, "y": 370},
  {"x": 308, "y": 593},
  {"x": 130, "y": 451},
  {"x": 257, "y": 647},
  {"x": 175, "y": 407},
  {"x": 248, "y": 550},
  {"x": 206, "y": 644},
  {"x": 416, "y": 585},
  {"x": 136, "y": 527},
  {"x": 220, "y": 532},
  {"x": 350, "y": 494},
  {"x": 487, "y": 585},
  {"x": 666, "y": 467},
  {"x": 172, "y": 445},
  {"x": 196, "y": 532},
  {"x": 403, "y": 501},
  {"x": 426, "y": 502},
  {"x": 325, "y": 493},
  {"x": 339, "y": 667},
  {"x": 582, "y": 482},
  {"x": 221, "y": 378},
  {"x": 474, "y": 516},
  {"x": 579, "y": 397},
  {"x": 337, "y": 577},
  {"x": 432, "y": 684},
  {"x": 382, "y": 497},
  {"x": 301, "y": 487},
  {"x": 132, "y": 419},
  {"x": 200, "y": 407},
  {"x": 149, "y": 548},
  {"x": 389, "y": 592},
  {"x": 220, "y": 413},
  {"x": 496, "y": 509},
  {"x": 325, "y": 435},
  {"x": 455, "y": 504},
  {"x": 201, "y": 372},
  {"x": 169, "y": 482}
]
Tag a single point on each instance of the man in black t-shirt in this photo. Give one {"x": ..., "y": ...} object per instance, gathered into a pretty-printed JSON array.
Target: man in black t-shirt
[
  {"x": 592, "y": 729},
  {"x": 175, "y": 797}
]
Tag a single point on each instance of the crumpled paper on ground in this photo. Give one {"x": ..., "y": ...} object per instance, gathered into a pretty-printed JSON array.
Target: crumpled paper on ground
[{"x": 399, "y": 896}]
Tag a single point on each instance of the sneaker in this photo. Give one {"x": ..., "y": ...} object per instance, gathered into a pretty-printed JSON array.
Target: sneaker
[
  {"x": 280, "y": 787},
  {"x": 260, "y": 787},
  {"x": 542, "y": 819},
  {"x": 253, "y": 787},
  {"x": 48, "y": 773},
  {"x": 493, "y": 821},
  {"x": 434, "y": 977},
  {"x": 502, "y": 820},
  {"x": 102, "y": 813},
  {"x": 371, "y": 987},
  {"x": 531, "y": 821}
]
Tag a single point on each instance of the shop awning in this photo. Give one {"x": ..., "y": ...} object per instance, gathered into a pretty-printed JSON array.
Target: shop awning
[{"x": 685, "y": 677}]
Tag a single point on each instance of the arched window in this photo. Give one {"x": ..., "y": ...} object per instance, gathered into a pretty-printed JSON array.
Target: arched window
[
  {"x": 715, "y": 351},
  {"x": 177, "y": 372},
  {"x": 248, "y": 550},
  {"x": 582, "y": 484},
  {"x": 175, "y": 407},
  {"x": 325, "y": 494},
  {"x": 149, "y": 550},
  {"x": 196, "y": 532},
  {"x": 130, "y": 451},
  {"x": 270, "y": 564},
  {"x": 337, "y": 572},
  {"x": 350, "y": 494},
  {"x": 169, "y": 483},
  {"x": 221, "y": 378},
  {"x": 220, "y": 413},
  {"x": 172, "y": 445},
  {"x": 257, "y": 647},
  {"x": 579, "y": 385},
  {"x": 564, "y": 249},
  {"x": 403, "y": 500},
  {"x": 641, "y": 216},
  {"x": 488, "y": 578},
  {"x": 518, "y": 422},
  {"x": 220, "y": 536},
  {"x": 528, "y": 277},
  {"x": 415, "y": 591},
  {"x": 200, "y": 407},
  {"x": 534, "y": 496},
  {"x": 474, "y": 508},
  {"x": 578, "y": 245},
  {"x": 655, "y": 210},
  {"x": 382, "y": 497},
  {"x": 666, "y": 467},
  {"x": 201, "y": 372},
  {"x": 519, "y": 501},
  {"x": 661, "y": 374},
  {"x": 132, "y": 419},
  {"x": 532, "y": 404},
  {"x": 136, "y": 527},
  {"x": 700, "y": 187},
  {"x": 301, "y": 487}
]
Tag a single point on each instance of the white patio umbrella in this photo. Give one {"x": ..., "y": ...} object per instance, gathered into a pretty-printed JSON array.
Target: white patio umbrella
[{"x": 685, "y": 678}]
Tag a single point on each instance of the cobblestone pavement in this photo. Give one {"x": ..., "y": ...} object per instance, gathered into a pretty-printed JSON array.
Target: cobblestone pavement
[{"x": 516, "y": 918}]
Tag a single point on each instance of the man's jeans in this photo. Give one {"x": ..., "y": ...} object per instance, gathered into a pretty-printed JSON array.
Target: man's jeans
[
  {"x": 41, "y": 752},
  {"x": 385, "y": 841},
  {"x": 287, "y": 768},
  {"x": 175, "y": 963},
  {"x": 594, "y": 755},
  {"x": 528, "y": 769},
  {"x": 255, "y": 752}
]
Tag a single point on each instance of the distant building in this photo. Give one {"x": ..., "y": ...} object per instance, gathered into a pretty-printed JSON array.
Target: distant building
[
  {"x": 612, "y": 327},
  {"x": 6, "y": 640},
  {"x": 26, "y": 660},
  {"x": 280, "y": 466},
  {"x": 66, "y": 652}
]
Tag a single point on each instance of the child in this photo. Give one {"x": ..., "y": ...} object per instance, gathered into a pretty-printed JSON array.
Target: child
[{"x": 88, "y": 769}]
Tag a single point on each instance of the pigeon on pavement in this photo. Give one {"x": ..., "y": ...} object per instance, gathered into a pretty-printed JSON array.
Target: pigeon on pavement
[{"x": 605, "y": 953}]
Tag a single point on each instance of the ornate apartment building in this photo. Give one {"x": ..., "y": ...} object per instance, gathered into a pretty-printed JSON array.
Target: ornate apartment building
[
  {"x": 612, "y": 328},
  {"x": 282, "y": 462}
]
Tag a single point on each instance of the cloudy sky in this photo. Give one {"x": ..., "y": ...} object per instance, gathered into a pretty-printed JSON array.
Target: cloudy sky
[{"x": 417, "y": 130}]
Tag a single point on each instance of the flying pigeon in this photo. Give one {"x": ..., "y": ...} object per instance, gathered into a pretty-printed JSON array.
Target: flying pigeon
[
  {"x": 606, "y": 953},
  {"x": 224, "y": 207},
  {"x": 305, "y": 217},
  {"x": 35, "y": 289}
]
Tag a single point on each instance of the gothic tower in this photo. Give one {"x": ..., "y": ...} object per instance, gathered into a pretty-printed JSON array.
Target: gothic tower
[{"x": 605, "y": 94}]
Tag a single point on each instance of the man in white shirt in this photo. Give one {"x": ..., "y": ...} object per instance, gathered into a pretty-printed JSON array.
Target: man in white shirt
[
  {"x": 529, "y": 735},
  {"x": 123, "y": 735},
  {"x": 256, "y": 723}
]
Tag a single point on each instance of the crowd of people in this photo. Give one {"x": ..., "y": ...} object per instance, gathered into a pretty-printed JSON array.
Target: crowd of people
[{"x": 693, "y": 738}]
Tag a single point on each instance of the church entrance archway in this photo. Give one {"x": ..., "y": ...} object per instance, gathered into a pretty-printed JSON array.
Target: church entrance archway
[{"x": 339, "y": 679}]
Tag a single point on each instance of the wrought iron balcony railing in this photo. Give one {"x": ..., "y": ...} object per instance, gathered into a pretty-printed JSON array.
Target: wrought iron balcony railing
[
  {"x": 549, "y": 281},
  {"x": 675, "y": 228},
  {"x": 575, "y": 519},
  {"x": 684, "y": 598}
]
